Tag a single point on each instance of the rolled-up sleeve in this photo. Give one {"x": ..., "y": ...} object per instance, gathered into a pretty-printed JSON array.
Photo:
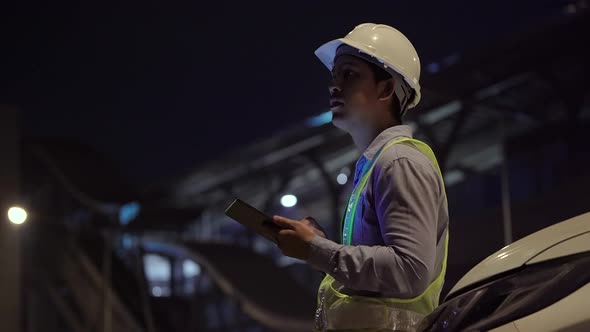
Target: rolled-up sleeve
[{"x": 406, "y": 199}]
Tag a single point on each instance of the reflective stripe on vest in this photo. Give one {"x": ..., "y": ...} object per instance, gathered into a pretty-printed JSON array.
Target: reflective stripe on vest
[{"x": 337, "y": 311}]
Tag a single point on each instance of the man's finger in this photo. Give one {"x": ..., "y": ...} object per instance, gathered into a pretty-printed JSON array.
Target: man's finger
[
  {"x": 284, "y": 222},
  {"x": 307, "y": 221},
  {"x": 286, "y": 232},
  {"x": 317, "y": 228},
  {"x": 310, "y": 220}
]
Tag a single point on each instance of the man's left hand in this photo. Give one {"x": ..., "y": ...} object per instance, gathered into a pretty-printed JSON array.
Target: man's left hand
[{"x": 294, "y": 238}]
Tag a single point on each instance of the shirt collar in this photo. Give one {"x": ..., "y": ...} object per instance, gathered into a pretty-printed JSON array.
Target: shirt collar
[{"x": 384, "y": 137}]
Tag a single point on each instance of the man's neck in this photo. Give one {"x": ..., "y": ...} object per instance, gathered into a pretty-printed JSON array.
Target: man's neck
[
  {"x": 364, "y": 137},
  {"x": 362, "y": 140}
]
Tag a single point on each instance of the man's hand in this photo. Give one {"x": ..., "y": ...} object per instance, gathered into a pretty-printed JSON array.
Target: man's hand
[
  {"x": 294, "y": 237},
  {"x": 318, "y": 230}
]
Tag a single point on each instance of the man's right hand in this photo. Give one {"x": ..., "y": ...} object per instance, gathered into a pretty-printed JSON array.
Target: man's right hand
[{"x": 317, "y": 229}]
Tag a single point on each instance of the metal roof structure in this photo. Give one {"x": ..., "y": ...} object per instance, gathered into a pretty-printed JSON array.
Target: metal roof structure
[{"x": 471, "y": 103}]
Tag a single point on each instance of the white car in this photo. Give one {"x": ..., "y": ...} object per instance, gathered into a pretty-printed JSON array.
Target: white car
[{"x": 539, "y": 283}]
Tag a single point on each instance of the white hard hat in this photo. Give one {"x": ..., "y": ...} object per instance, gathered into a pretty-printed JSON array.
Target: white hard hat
[{"x": 387, "y": 45}]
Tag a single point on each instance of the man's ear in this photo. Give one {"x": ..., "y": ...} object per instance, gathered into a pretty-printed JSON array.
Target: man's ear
[{"x": 386, "y": 89}]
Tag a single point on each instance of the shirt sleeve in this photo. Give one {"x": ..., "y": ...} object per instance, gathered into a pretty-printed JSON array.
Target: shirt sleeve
[{"x": 407, "y": 200}]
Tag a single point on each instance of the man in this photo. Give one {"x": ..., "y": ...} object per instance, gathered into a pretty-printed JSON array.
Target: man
[{"x": 389, "y": 269}]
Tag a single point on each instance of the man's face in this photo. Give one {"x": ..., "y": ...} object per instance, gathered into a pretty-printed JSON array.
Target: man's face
[{"x": 354, "y": 94}]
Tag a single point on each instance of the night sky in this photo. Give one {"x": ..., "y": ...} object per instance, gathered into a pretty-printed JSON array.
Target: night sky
[{"x": 159, "y": 87}]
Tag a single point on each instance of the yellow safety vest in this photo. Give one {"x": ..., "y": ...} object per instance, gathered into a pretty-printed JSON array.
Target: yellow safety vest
[{"x": 341, "y": 312}]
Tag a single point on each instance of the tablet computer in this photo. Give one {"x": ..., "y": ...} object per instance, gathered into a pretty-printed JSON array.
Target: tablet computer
[{"x": 252, "y": 218}]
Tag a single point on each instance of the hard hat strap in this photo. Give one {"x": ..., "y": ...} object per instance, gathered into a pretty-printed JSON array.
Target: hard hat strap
[{"x": 404, "y": 94}]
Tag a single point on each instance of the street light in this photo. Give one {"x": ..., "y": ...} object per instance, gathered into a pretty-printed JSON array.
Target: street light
[
  {"x": 342, "y": 179},
  {"x": 17, "y": 215},
  {"x": 288, "y": 200}
]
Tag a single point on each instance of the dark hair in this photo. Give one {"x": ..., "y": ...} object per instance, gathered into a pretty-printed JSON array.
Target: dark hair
[{"x": 381, "y": 74}]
